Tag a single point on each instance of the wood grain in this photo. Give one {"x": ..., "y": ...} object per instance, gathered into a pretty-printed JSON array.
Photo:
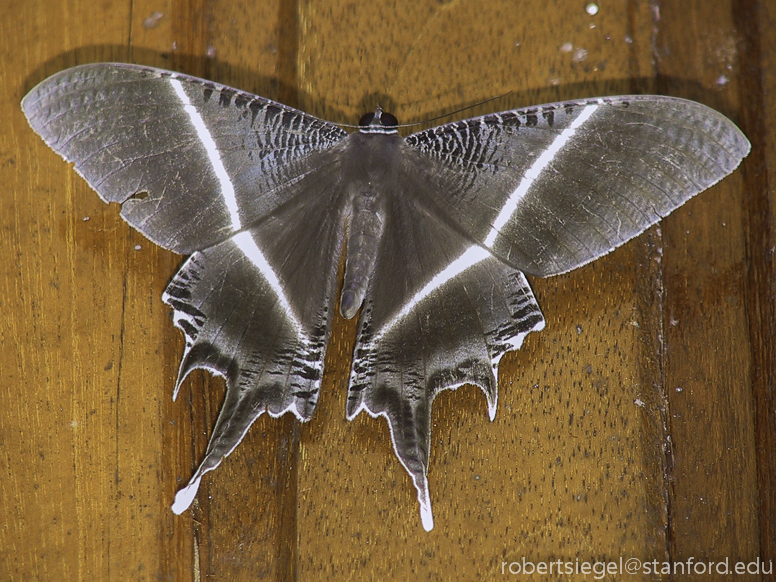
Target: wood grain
[
  {"x": 705, "y": 318},
  {"x": 639, "y": 423}
]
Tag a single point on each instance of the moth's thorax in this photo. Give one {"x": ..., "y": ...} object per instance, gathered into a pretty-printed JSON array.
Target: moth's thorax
[{"x": 373, "y": 158}]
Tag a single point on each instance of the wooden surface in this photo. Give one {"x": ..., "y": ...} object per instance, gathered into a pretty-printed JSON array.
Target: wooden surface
[{"x": 639, "y": 423}]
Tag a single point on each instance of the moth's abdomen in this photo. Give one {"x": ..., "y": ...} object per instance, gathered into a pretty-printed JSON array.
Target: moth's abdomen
[
  {"x": 366, "y": 229},
  {"x": 369, "y": 171}
]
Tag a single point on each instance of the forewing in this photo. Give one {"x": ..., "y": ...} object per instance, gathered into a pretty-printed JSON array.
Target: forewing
[
  {"x": 192, "y": 162},
  {"x": 553, "y": 187},
  {"x": 441, "y": 312},
  {"x": 257, "y": 310}
]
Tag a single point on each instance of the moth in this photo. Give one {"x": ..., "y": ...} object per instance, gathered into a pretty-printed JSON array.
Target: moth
[{"x": 438, "y": 229}]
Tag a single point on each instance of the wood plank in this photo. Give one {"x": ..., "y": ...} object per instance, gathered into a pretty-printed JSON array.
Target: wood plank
[
  {"x": 757, "y": 50},
  {"x": 60, "y": 440},
  {"x": 708, "y": 365},
  {"x": 244, "y": 529},
  {"x": 577, "y": 464}
]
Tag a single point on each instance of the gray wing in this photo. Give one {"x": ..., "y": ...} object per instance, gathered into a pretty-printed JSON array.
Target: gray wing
[
  {"x": 544, "y": 191},
  {"x": 257, "y": 309},
  {"x": 553, "y": 187},
  {"x": 187, "y": 158},
  {"x": 440, "y": 312},
  {"x": 251, "y": 188}
]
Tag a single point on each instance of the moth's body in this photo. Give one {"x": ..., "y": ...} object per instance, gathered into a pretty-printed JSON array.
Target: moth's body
[
  {"x": 370, "y": 162},
  {"x": 439, "y": 228}
]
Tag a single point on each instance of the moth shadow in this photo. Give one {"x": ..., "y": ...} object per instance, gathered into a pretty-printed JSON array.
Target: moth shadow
[{"x": 423, "y": 113}]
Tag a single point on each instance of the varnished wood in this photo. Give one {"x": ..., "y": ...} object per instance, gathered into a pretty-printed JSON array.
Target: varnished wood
[
  {"x": 639, "y": 423},
  {"x": 757, "y": 79},
  {"x": 708, "y": 365}
]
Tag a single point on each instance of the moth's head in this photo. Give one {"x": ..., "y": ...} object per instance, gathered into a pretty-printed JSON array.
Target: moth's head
[{"x": 378, "y": 122}]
